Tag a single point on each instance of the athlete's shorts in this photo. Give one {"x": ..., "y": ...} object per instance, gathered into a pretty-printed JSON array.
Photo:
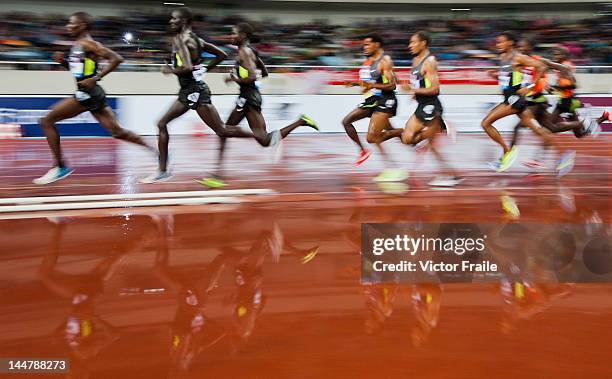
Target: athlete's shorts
[
  {"x": 249, "y": 98},
  {"x": 194, "y": 94},
  {"x": 93, "y": 99},
  {"x": 383, "y": 103},
  {"x": 517, "y": 102},
  {"x": 538, "y": 105},
  {"x": 427, "y": 110},
  {"x": 568, "y": 105}
]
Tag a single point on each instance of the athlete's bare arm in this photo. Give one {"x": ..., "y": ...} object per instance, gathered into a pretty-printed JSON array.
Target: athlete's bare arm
[
  {"x": 386, "y": 68},
  {"x": 262, "y": 67},
  {"x": 183, "y": 51},
  {"x": 246, "y": 58},
  {"x": 219, "y": 54},
  {"x": 100, "y": 52},
  {"x": 430, "y": 72},
  {"x": 522, "y": 60}
]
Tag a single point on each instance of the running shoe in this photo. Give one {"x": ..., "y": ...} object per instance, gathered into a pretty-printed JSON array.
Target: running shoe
[
  {"x": 445, "y": 181},
  {"x": 508, "y": 159},
  {"x": 509, "y": 205},
  {"x": 211, "y": 182},
  {"x": 53, "y": 175},
  {"x": 156, "y": 177},
  {"x": 391, "y": 175},
  {"x": 565, "y": 164},
  {"x": 363, "y": 156},
  {"x": 310, "y": 122}
]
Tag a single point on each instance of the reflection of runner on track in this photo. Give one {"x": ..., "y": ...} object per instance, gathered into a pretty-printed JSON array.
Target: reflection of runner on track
[{"x": 84, "y": 332}]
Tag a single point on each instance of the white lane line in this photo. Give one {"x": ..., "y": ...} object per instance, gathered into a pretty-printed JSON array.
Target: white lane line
[
  {"x": 119, "y": 204},
  {"x": 133, "y": 196}
]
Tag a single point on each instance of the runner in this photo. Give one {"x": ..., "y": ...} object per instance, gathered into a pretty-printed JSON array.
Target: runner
[{"x": 89, "y": 96}]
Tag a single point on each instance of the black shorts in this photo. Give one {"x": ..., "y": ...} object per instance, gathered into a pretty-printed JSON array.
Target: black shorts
[
  {"x": 538, "y": 105},
  {"x": 249, "y": 98},
  {"x": 428, "y": 110},
  {"x": 383, "y": 103},
  {"x": 517, "y": 102},
  {"x": 194, "y": 94},
  {"x": 93, "y": 99},
  {"x": 568, "y": 105}
]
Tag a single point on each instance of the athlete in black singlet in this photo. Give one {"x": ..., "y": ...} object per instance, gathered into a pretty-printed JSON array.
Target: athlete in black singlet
[
  {"x": 249, "y": 100},
  {"x": 378, "y": 83},
  {"x": 83, "y": 64},
  {"x": 511, "y": 81},
  {"x": 194, "y": 93}
]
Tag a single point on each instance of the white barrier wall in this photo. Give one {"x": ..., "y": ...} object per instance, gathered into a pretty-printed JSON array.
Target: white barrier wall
[{"x": 141, "y": 113}]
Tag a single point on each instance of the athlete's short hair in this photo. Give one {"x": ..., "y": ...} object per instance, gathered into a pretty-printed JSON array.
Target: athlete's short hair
[
  {"x": 186, "y": 14},
  {"x": 561, "y": 51},
  {"x": 530, "y": 41},
  {"x": 424, "y": 36},
  {"x": 375, "y": 37},
  {"x": 247, "y": 29},
  {"x": 85, "y": 18},
  {"x": 510, "y": 36}
]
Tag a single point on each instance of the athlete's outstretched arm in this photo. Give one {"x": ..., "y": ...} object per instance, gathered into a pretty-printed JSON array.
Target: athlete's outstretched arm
[
  {"x": 248, "y": 63},
  {"x": 219, "y": 54},
  {"x": 386, "y": 68},
  {"x": 430, "y": 73}
]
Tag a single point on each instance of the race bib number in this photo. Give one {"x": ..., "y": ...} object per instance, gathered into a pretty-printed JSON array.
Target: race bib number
[
  {"x": 504, "y": 81},
  {"x": 193, "y": 97},
  {"x": 240, "y": 102},
  {"x": 198, "y": 73},
  {"x": 415, "y": 83},
  {"x": 76, "y": 68},
  {"x": 80, "y": 95},
  {"x": 364, "y": 74}
]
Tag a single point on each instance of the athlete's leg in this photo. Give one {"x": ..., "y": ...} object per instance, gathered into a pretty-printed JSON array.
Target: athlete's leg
[
  {"x": 355, "y": 115},
  {"x": 499, "y": 112},
  {"x": 379, "y": 121},
  {"x": 528, "y": 120},
  {"x": 63, "y": 110},
  {"x": 176, "y": 110},
  {"x": 413, "y": 127},
  {"x": 107, "y": 119},
  {"x": 258, "y": 126}
]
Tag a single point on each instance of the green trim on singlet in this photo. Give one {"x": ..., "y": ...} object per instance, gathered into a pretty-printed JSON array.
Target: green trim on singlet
[
  {"x": 575, "y": 105},
  {"x": 384, "y": 79},
  {"x": 89, "y": 67},
  {"x": 243, "y": 73},
  {"x": 517, "y": 78},
  {"x": 539, "y": 99},
  {"x": 179, "y": 61},
  {"x": 375, "y": 104},
  {"x": 427, "y": 82}
]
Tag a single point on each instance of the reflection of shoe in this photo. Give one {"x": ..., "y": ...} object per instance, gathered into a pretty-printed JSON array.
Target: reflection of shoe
[
  {"x": 157, "y": 177},
  {"x": 310, "y": 122},
  {"x": 212, "y": 182},
  {"x": 276, "y": 242},
  {"x": 391, "y": 175},
  {"x": 53, "y": 175},
  {"x": 565, "y": 164},
  {"x": 310, "y": 255},
  {"x": 393, "y": 188},
  {"x": 509, "y": 205},
  {"x": 508, "y": 159},
  {"x": 363, "y": 156},
  {"x": 445, "y": 181}
]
